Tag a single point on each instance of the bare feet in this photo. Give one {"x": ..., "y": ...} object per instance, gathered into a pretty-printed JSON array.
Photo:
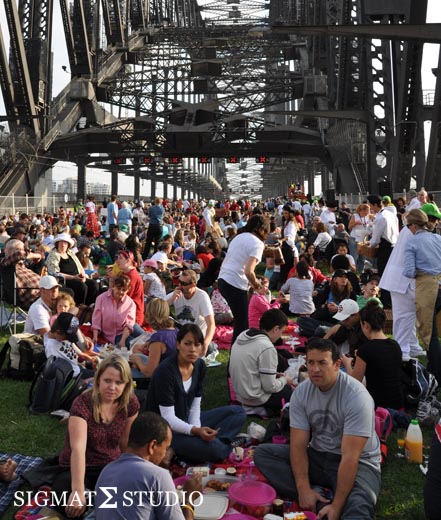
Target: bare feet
[{"x": 7, "y": 471}]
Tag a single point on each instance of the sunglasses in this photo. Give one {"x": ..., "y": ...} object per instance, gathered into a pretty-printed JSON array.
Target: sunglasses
[{"x": 184, "y": 284}]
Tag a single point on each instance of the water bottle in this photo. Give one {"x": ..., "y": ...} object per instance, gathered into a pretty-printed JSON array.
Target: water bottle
[{"x": 414, "y": 443}]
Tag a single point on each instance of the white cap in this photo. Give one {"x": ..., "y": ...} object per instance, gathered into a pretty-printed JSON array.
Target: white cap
[
  {"x": 345, "y": 309},
  {"x": 160, "y": 257},
  {"x": 48, "y": 282}
]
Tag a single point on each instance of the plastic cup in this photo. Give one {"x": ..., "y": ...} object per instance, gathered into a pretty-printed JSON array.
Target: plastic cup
[{"x": 279, "y": 439}]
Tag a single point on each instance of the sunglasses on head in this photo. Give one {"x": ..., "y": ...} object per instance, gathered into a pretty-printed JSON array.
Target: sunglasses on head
[{"x": 184, "y": 284}]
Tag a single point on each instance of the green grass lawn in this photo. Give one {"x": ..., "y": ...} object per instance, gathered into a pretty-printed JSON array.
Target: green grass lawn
[{"x": 21, "y": 432}]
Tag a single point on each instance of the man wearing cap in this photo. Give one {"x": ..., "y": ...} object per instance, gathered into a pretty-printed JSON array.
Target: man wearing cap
[
  {"x": 40, "y": 312},
  {"x": 384, "y": 232},
  {"x": 154, "y": 231},
  {"x": 193, "y": 305},
  {"x": 13, "y": 265},
  {"x": 347, "y": 334},
  {"x": 389, "y": 205},
  {"x": 422, "y": 261}
]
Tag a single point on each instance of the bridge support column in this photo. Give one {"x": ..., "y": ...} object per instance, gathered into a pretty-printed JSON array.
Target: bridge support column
[
  {"x": 81, "y": 181},
  {"x": 153, "y": 188},
  {"x": 165, "y": 190},
  {"x": 175, "y": 192},
  {"x": 136, "y": 181},
  {"x": 114, "y": 182}
]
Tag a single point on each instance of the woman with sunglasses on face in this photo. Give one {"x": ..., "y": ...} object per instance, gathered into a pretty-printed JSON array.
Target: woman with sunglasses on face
[
  {"x": 237, "y": 271},
  {"x": 175, "y": 392}
]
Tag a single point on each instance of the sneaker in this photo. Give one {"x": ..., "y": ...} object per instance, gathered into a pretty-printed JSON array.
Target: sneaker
[
  {"x": 417, "y": 352},
  {"x": 434, "y": 402},
  {"x": 240, "y": 440},
  {"x": 426, "y": 414}
]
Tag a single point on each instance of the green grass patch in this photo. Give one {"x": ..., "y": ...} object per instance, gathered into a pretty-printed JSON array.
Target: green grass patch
[{"x": 22, "y": 432}]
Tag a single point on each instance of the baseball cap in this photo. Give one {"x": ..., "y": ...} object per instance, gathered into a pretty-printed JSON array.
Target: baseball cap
[
  {"x": 160, "y": 257},
  {"x": 48, "y": 282},
  {"x": 387, "y": 199},
  {"x": 346, "y": 308},
  {"x": 150, "y": 263},
  {"x": 339, "y": 272},
  {"x": 67, "y": 323},
  {"x": 431, "y": 210}
]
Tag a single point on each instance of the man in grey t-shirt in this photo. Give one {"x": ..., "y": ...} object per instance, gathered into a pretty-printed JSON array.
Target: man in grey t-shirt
[{"x": 333, "y": 442}]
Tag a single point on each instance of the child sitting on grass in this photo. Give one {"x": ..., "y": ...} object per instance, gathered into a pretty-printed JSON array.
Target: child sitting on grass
[
  {"x": 260, "y": 301},
  {"x": 301, "y": 288}
]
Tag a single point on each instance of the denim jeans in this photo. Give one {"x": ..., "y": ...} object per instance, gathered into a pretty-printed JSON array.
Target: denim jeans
[
  {"x": 229, "y": 420},
  {"x": 274, "y": 462}
]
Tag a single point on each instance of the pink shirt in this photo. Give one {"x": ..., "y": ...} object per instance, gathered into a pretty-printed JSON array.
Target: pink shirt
[
  {"x": 111, "y": 318},
  {"x": 258, "y": 304}
]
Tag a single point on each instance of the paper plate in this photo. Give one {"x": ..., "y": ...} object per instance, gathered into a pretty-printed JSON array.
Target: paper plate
[{"x": 212, "y": 508}]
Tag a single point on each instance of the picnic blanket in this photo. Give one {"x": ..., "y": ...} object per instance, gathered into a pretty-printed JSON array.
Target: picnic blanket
[{"x": 8, "y": 489}]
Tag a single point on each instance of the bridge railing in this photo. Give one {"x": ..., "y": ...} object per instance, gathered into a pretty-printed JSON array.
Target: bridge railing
[
  {"x": 354, "y": 199},
  {"x": 13, "y": 204}
]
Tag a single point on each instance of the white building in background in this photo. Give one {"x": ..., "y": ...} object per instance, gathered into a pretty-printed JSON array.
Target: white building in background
[{"x": 70, "y": 186}]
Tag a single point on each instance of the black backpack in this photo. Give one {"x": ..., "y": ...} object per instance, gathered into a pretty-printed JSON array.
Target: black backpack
[
  {"x": 26, "y": 357},
  {"x": 419, "y": 383},
  {"x": 54, "y": 387}
]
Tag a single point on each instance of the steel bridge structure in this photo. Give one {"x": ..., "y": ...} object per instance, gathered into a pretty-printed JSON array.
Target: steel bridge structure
[{"x": 223, "y": 96}]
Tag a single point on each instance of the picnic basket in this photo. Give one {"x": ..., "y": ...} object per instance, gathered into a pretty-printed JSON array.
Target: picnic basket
[{"x": 364, "y": 250}]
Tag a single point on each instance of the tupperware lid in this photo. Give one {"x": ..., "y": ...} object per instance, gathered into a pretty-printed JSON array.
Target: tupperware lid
[{"x": 252, "y": 493}]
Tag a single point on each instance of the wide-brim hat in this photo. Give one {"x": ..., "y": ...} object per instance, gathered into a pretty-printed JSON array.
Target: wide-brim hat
[{"x": 64, "y": 237}]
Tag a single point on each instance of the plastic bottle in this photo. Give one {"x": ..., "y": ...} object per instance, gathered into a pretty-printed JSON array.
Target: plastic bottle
[{"x": 414, "y": 443}]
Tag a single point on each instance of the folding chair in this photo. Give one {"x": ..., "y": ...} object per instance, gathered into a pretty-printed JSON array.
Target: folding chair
[{"x": 11, "y": 312}]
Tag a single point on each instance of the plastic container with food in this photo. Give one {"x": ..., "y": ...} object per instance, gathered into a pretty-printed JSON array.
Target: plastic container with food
[{"x": 251, "y": 497}]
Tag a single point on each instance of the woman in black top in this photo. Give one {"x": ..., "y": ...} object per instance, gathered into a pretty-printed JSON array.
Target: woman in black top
[
  {"x": 379, "y": 359},
  {"x": 175, "y": 392}
]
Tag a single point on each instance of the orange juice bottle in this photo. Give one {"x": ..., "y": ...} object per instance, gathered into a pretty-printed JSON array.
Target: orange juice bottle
[{"x": 414, "y": 443}]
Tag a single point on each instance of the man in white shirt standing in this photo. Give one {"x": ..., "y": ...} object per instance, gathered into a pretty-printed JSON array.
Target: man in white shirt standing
[
  {"x": 328, "y": 217},
  {"x": 384, "y": 233}
]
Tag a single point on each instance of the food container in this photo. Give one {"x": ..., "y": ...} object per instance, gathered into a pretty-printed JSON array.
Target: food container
[
  {"x": 218, "y": 484},
  {"x": 204, "y": 471},
  {"x": 251, "y": 497},
  {"x": 213, "y": 507}
]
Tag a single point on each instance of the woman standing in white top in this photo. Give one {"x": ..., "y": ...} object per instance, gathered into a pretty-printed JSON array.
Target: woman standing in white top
[
  {"x": 359, "y": 227},
  {"x": 237, "y": 271},
  {"x": 289, "y": 250}
]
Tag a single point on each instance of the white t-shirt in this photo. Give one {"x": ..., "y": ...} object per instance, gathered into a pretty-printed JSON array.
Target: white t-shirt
[
  {"x": 241, "y": 248},
  {"x": 156, "y": 288},
  {"x": 194, "y": 310},
  {"x": 62, "y": 349},
  {"x": 38, "y": 317}
]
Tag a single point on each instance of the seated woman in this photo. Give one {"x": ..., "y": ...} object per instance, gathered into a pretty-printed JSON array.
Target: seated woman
[
  {"x": 322, "y": 240},
  {"x": 175, "y": 392},
  {"x": 113, "y": 317},
  {"x": 97, "y": 433},
  {"x": 260, "y": 301},
  {"x": 153, "y": 286},
  {"x": 62, "y": 261},
  {"x": 378, "y": 359},
  {"x": 162, "y": 344},
  {"x": 300, "y": 288}
]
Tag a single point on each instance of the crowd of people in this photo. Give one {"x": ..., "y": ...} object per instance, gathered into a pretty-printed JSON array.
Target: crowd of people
[{"x": 157, "y": 279}]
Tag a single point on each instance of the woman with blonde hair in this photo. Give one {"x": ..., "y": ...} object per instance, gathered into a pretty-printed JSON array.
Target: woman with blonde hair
[
  {"x": 98, "y": 430},
  {"x": 359, "y": 227},
  {"x": 162, "y": 344}
]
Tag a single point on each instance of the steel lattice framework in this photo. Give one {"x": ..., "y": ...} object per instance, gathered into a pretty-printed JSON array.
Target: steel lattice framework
[{"x": 310, "y": 86}]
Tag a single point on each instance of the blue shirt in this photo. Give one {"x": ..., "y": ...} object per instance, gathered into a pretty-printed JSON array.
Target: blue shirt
[
  {"x": 156, "y": 214},
  {"x": 112, "y": 208},
  {"x": 422, "y": 253}
]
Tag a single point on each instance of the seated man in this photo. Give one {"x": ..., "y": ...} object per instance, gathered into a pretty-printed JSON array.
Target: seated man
[
  {"x": 193, "y": 305},
  {"x": 253, "y": 364},
  {"x": 347, "y": 334},
  {"x": 333, "y": 442},
  {"x": 140, "y": 488},
  {"x": 40, "y": 312}
]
